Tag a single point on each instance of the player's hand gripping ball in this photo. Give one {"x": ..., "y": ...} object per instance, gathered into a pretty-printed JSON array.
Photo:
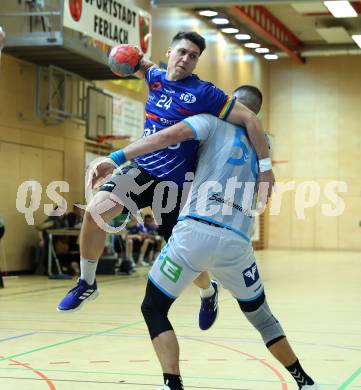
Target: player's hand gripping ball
[{"x": 124, "y": 60}]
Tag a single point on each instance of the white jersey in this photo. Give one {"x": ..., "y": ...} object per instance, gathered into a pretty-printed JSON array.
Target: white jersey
[{"x": 225, "y": 183}]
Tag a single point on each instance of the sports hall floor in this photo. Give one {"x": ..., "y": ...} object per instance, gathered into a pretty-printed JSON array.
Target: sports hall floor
[{"x": 315, "y": 295}]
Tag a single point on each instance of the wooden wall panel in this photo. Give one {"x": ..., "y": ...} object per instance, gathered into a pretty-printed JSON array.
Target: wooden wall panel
[
  {"x": 315, "y": 117},
  {"x": 21, "y": 163}
]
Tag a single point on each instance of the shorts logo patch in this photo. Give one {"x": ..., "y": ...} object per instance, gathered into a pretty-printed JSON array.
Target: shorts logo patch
[
  {"x": 170, "y": 269},
  {"x": 251, "y": 275}
]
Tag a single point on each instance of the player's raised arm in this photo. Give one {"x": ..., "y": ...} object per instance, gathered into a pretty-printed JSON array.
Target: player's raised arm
[
  {"x": 144, "y": 65},
  {"x": 125, "y": 60},
  {"x": 242, "y": 116}
]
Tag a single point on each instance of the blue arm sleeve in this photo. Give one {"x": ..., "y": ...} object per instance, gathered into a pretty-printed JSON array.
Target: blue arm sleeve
[{"x": 118, "y": 157}]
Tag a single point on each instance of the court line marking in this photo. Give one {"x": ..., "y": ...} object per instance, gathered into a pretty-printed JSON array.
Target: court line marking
[
  {"x": 223, "y": 338},
  {"x": 343, "y": 386},
  {"x": 140, "y": 374},
  {"x": 278, "y": 374},
  {"x": 350, "y": 379},
  {"x": 123, "y": 382},
  {"x": 49, "y": 346},
  {"x": 37, "y": 372},
  {"x": 262, "y": 361},
  {"x": 17, "y": 337},
  {"x": 54, "y": 288}
]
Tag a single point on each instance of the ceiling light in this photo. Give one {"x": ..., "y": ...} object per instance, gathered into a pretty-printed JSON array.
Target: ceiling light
[
  {"x": 230, "y": 30},
  {"x": 208, "y": 13},
  {"x": 271, "y": 56},
  {"x": 357, "y": 39},
  {"x": 252, "y": 45},
  {"x": 262, "y": 50},
  {"x": 220, "y": 21},
  {"x": 242, "y": 37},
  {"x": 341, "y": 9}
]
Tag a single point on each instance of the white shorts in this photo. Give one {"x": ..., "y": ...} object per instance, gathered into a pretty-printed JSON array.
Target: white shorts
[{"x": 195, "y": 247}]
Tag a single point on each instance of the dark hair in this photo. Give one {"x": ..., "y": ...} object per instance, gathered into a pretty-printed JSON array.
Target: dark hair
[
  {"x": 192, "y": 36},
  {"x": 250, "y": 96}
]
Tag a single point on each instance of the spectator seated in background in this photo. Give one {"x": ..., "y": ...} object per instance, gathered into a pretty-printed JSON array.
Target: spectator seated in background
[
  {"x": 119, "y": 245},
  {"x": 67, "y": 252},
  {"x": 75, "y": 217},
  {"x": 73, "y": 220},
  {"x": 134, "y": 240},
  {"x": 152, "y": 240},
  {"x": 142, "y": 239}
]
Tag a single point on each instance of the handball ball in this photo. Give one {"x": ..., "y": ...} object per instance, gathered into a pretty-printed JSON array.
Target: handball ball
[{"x": 124, "y": 60}]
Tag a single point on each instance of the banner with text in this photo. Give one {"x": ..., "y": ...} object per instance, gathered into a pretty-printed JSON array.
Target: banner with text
[{"x": 110, "y": 21}]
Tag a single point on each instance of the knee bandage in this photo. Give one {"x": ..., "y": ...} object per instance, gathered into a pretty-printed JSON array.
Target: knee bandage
[
  {"x": 263, "y": 320},
  {"x": 155, "y": 309}
]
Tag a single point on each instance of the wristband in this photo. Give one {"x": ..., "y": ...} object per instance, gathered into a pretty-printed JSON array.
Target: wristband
[
  {"x": 118, "y": 157},
  {"x": 265, "y": 164}
]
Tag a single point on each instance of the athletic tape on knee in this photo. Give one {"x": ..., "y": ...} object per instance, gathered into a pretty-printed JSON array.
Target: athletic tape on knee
[
  {"x": 264, "y": 321},
  {"x": 155, "y": 309}
]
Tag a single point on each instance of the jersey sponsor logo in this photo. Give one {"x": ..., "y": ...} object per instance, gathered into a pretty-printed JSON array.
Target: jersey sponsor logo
[
  {"x": 251, "y": 275},
  {"x": 171, "y": 269},
  {"x": 229, "y": 202},
  {"x": 168, "y": 90},
  {"x": 188, "y": 98},
  {"x": 163, "y": 121},
  {"x": 155, "y": 86},
  {"x": 168, "y": 122}
]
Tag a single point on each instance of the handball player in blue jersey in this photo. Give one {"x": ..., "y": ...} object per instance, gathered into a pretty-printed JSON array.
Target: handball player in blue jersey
[
  {"x": 213, "y": 233},
  {"x": 174, "y": 94}
]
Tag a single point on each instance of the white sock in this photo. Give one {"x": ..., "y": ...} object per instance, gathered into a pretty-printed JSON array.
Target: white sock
[
  {"x": 88, "y": 269},
  {"x": 140, "y": 258},
  {"x": 207, "y": 292}
]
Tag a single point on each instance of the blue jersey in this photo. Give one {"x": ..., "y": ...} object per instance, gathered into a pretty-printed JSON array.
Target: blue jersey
[
  {"x": 135, "y": 229},
  {"x": 150, "y": 229},
  {"x": 168, "y": 103}
]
